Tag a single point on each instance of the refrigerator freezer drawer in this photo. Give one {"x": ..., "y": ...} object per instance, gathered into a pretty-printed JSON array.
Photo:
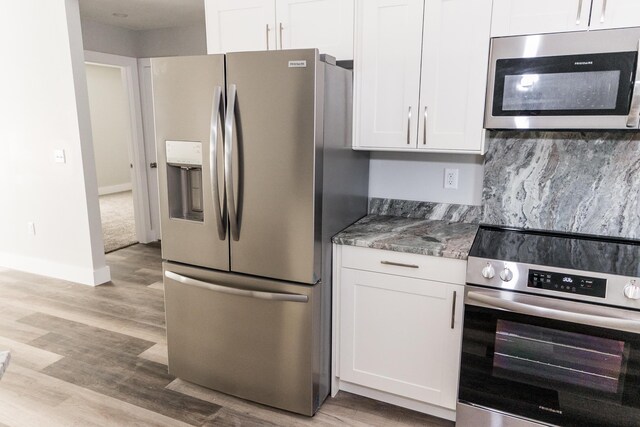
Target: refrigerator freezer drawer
[{"x": 244, "y": 336}]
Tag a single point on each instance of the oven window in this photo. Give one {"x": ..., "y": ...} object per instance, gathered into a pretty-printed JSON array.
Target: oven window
[
  {"x": 553, "y": 371},
  {"x": 597, "y": 90},
  {"x": 551, "y": 355}
]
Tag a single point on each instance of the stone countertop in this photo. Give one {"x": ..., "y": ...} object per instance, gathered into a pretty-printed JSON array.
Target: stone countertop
[
  {"x": 4, "y": 361},
  {"x": 417, "y": 236}
]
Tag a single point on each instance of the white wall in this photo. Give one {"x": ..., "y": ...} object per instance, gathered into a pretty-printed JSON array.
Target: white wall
[
  {"x": 99, "y": 37},
  {"x": 111, "y": 127},
  {"x": 178, "y": 41},
  {"x": 44, "y": 107},
  {"x": 419, "y": 176}
]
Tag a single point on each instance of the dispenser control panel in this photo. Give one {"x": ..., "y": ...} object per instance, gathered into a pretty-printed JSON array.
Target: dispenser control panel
[{"x": 184, "y": 152}]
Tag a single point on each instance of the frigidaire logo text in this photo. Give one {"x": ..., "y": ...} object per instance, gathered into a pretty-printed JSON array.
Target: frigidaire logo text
[
  {"x": 583, "y": 63},
  {"x": 555, "y": 411}
]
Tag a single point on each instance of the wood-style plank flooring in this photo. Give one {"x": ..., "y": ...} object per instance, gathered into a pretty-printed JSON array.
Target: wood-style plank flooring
[{"x": 84, "y": 356}]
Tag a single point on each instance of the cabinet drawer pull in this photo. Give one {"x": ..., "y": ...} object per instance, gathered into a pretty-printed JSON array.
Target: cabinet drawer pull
[
  {"x": 453, "y": 310},
  {"x": 399, "y": 264}
]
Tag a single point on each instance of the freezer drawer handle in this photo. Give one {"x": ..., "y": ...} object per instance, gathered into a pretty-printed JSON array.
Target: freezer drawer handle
[
  {"x": 273, "y": 296},
  {"x": 553, "y": 313},
  {"x": 220, "y": 213}
]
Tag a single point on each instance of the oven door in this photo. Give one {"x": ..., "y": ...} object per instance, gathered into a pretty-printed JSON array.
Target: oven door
[{"x": 549, "y": 360}]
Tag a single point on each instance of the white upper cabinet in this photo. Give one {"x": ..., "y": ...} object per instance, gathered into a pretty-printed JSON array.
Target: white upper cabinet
[
  {"x": 240, "y": 25},
  {"x": 324, "y": 24},
  {"x": 387, "y": 73},
  {"x": 421, "y": 70},
  {"x": 615, "y": 14},
  {"x": 520, "y": 17},
  {"x": 250, "y": 25},
  {"x": 454, "y": 75}
]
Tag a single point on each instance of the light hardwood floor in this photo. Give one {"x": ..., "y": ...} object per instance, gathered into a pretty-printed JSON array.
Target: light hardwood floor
[{"x": 84, "y": 356}]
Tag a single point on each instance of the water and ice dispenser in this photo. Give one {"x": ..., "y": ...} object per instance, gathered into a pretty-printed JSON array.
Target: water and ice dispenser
[{"x": 184, "y": 179}]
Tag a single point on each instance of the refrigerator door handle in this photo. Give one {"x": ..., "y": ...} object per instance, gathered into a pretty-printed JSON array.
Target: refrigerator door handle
[
  {"x": 228, "y": 161},
  {"x": 220, "y": 211},
  {"x": 273, "y": 296}
]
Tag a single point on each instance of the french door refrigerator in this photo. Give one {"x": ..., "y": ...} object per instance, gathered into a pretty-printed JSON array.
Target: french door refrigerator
[{"x": 256, "y": 174}]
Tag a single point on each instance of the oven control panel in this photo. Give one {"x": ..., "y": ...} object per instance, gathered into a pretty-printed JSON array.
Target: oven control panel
[{"x": 568, "y": 283}]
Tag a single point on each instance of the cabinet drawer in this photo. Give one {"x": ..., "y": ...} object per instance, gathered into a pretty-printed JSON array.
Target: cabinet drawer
[{"x": 404, "y": 264}]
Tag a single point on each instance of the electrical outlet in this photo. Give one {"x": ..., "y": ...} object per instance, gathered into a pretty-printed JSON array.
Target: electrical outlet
[
  {"x": 59, "y": 156},
  {"x": 451, "y": 179},
  {"x": 31, "y": 228}
]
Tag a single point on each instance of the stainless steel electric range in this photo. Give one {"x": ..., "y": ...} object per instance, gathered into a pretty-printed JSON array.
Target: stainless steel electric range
[{"x": 551, "y": 331}]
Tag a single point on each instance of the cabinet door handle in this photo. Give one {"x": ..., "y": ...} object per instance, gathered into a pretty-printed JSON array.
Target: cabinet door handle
[
  {"x": 604, "y": 10},
  {"x": 453, "y": 310},
  {"x": 280, "y": 27},
  {"x": 579, "y": 15},
  {"x": 399, "y": 264},
  {"x": 424, "y": 142},
  {"x": 267, "y": 33},
  {"x": 409, "y": 126}
]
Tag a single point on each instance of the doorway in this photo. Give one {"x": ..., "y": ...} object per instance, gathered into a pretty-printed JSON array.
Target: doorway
[{"x": 116, "y": 121}]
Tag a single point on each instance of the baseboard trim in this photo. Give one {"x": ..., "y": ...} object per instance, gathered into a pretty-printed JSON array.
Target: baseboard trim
[
  {"x": 426, "y": 408},
  {"x": 43, "y": 267},
  {"x": 118, "y": 188}
]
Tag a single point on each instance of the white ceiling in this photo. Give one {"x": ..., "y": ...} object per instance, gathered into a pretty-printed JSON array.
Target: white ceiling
[{"x": 144, "y": 14}]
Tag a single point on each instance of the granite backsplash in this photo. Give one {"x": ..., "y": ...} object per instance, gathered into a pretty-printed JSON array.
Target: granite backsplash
[{"x": 582, "y": 182}]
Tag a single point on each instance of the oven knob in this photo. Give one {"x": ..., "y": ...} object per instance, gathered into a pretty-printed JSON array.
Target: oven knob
[
  {"x": 488, "y": 271},
  {"x": 632, "y": 291},
  {"x": 506, "y": 274}
]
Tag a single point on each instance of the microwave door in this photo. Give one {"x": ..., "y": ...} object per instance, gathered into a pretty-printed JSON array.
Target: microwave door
[{"x": 569, "y": 81}]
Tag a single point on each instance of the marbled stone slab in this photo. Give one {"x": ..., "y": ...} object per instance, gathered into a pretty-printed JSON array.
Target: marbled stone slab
[
  {"x": 417, "y": 236},
  {"x": 582, "y": 182},
  {"x": 5, "y": 356},
  {"x": 425, "y": 210}
]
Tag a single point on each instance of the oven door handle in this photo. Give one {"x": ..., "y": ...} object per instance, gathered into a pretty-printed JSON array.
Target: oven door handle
[{"x": 540, "y": 310}]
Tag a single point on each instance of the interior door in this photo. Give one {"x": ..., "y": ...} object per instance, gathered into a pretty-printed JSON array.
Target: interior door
[
  {"x": 240, "y": 25},
  {"x": 323, "y": 24},
  {"x": 185, "y": 93},
  {"x": 274, "y": 199}
]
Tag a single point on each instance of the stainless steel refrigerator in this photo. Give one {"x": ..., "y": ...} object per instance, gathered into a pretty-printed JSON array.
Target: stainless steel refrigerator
[{"x": 256, "y": 174}]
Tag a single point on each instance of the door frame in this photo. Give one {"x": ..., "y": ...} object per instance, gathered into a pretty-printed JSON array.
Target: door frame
[{"x": 129, "y": 73}]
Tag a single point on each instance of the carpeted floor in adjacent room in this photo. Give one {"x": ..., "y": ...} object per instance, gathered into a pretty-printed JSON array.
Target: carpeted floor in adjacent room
[{"x": 118, "y": 221}]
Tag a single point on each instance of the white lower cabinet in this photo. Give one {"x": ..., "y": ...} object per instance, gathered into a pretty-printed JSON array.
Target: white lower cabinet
[{"x": 398, "y": 332}]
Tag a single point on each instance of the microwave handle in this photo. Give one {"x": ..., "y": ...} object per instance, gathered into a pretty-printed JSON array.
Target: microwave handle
[
  {"x": 540, "y": 310},
  {"x": 634, "y": 112}
]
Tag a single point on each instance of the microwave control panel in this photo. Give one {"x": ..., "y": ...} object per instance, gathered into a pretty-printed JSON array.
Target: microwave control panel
[{"x": 567, "y": 283}]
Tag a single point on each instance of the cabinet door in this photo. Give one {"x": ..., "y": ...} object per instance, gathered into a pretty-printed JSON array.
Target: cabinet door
[
  {"x": 401, "y": 335},
  {"x": 387, "y": 73},
  {"x": 323, "y": 24},
  {"x": 518, "y": 17},
  {"x": 454, "y": 75},
  {"x": 240, "y": 25},
  {"x": 615, "y": 14}
]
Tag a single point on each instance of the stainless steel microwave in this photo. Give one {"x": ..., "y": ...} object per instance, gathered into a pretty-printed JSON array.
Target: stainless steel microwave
[{"x": 581, "y": 80}]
